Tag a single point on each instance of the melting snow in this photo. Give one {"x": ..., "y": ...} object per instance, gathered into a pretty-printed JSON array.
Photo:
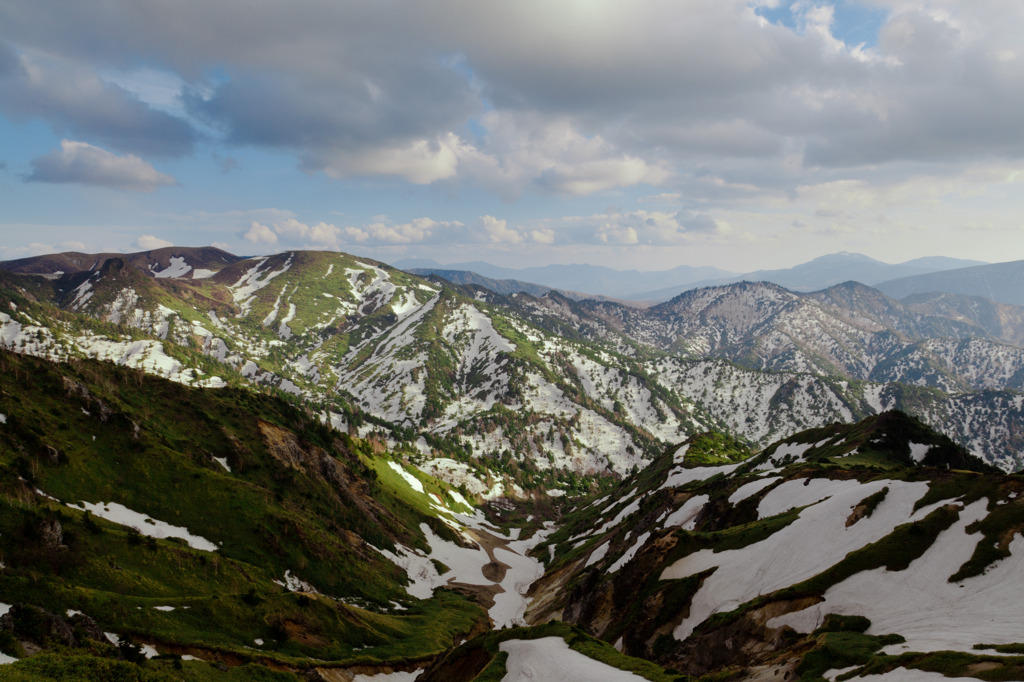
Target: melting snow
[
  {"x": 510, "y": 606},
  {"x": 752, "y": 488},
  {"x": 680, "y": 477},
  {"x": 293, "y": 583},
  {"x": 223, "y": 461},
  {"x": 629, "y": 553},
  {"x": 801, "y": 492},
  {"x": 177, "y": 268},
  {"x": 398, "y": 676},
  {"x": 413, "y": 482},
  {"x": 597, "y": 555},
  {"x": 919, "y": 451},
  {"x": 797, "y": 552},
  {"x": 118, "y": 513},
  {"x": 921, "y": 604},
  {"x": 200, "y": 273},
  {"x": 911, "y": 675},
  {"x": 542, "y": 659},
  {"x": 686, "y": 516}
]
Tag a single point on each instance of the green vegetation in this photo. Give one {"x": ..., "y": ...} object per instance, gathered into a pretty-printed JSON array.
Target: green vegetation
[
  {"x": 299, "y": 499},
  {"x": 713, "y": 448},
  {"x": 840, "y": 649},
  {"x": 490, "y": 664}
]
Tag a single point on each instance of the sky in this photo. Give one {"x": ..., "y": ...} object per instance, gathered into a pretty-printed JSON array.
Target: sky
[{"x": 744, "y": 134}]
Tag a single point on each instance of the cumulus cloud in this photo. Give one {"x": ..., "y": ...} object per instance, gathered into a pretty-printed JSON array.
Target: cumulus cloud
[
  {"x": 148, "y": 242},
  {"x": 260, "y": 234},
  {"x": 498, "y": 230},
  {"x": 561, "y": 97},
  {"x": 292, "y": 232},
  {"x": 420, "y": 161},
  {"x": 81, "y": 163}
]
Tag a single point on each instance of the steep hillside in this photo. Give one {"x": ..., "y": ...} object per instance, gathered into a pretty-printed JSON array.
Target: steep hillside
[
  {"x": 852, "y": 548},
  {"x": 848, "y": 330},
  {"x": 227, "y": 526},
  {"x": 1001, "y": 282},
  {"x": 1000, "y": 320},
  {"x": 430, "y": 360},
  {"x": 518, "y": 395},
  {"x": 171, "y": 261}
]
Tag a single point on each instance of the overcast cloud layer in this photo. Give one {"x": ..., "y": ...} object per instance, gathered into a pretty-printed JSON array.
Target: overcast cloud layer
[{"x": 704, "y": 124}]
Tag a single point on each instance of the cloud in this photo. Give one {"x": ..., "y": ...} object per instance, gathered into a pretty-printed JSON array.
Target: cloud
[
  {"x": 260, "y": 234},
  {"x": 148, "y": 242},
  {"x": 498, "y": 230},
  {"x": 292, "y": 232},
  {"x": 420, "y": 161},
  {"x": 81, "y": 163},
  {"x": 543, "y": 235},
  {"x": 71, "y": 96},
  {"x": 564, "y": 98}
]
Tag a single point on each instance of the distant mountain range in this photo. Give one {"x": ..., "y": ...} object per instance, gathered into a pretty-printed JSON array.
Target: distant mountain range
[
  {"x": 1001, "y": 282},
  {"x": 590, "y": 279},
  {"x": 663, "y": 285}
]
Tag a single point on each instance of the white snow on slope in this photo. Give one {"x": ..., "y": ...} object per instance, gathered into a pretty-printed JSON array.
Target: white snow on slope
[
  {"x": 510, "y": 606},
  {"x": 550, "y": 658},
  {"x": 454, "y": 473},
  {"x": 177, "y": 268},
  {"x": 244, "y": 290},
  {"x": 293, "y": 583},
  {"x": 911, "y": 675},
  {"x": 749, "y": 489},
  {"x": 118, "y": 513},
  {"x": 201, "y": 273},
  {"x": 921, "y": 604},
  {"x": 398, "y": 676},
  {"x": 801, "y": 492},
  {"x": 919, "y": 451},
  {"x": 422, "y": 574},
  {"x": 626, "y": 511},
  {"x": 413, "y": 482},
  {"x": 465, "y": 564},
  {"x": 597, "y": 554},
  {"x": 686, "y": 515},
  {"x": 628, "y": 555},
  {"x": 797, "y": 552},
  {"x": 679, "y": 476}
]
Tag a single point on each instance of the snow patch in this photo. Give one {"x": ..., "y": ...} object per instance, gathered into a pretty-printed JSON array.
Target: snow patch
[
  {"x": 120, "y": 514},
  {"x": 177, "y": 268},
  {"x": 921, "y": 604},
  {"x": 413, "y": 482},
  {"x": 686, "y": 515},
  {"x": 752, "y": 488},
  {"x": 597, "y": 555},
  {"x": 918, "y": 451},
  {"x": 804, "y": 548},
  {"x": 550, "y": 658},
  {"x": 628, "y": 555}
]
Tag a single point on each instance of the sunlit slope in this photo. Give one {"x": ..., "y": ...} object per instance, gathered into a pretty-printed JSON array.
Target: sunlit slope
[{"x": 846, "y": 545}]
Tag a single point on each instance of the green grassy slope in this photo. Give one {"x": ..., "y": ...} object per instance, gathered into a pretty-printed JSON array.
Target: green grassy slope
[{"x": 299, "y": 499}]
